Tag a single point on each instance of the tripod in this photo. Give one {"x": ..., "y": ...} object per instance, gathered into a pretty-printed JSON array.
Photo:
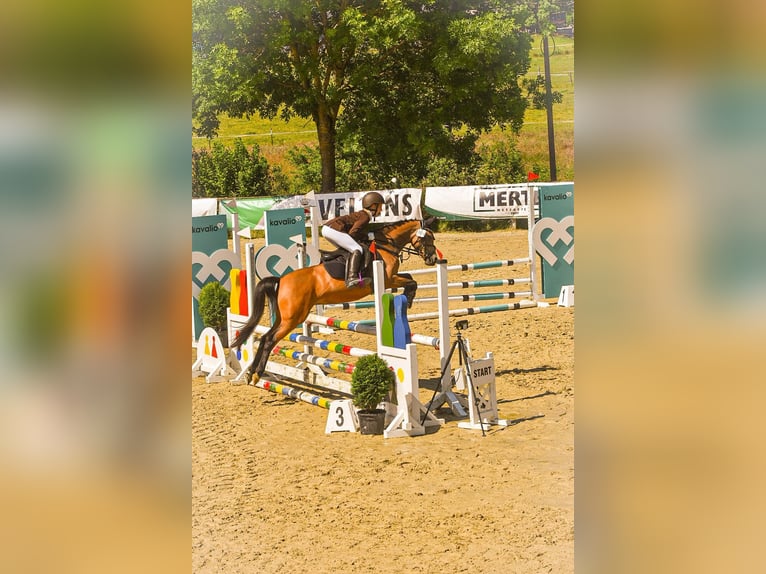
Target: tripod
[{"x": 463, "y": 358}]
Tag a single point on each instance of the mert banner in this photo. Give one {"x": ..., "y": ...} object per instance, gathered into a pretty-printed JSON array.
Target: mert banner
[
  {"x": 553, "y": 236},
  {"x": 501, "y": 201},
  {"x": 401, "y": 204}
]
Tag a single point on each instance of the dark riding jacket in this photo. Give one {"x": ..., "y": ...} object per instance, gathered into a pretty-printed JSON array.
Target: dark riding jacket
[{"x": 355, "y": 224}]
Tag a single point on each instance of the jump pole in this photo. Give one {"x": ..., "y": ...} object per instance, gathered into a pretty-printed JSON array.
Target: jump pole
[
  {"x": 473, "y": 266},
  {"x": 288, "y": 391},
  {"x": 523, "y": 304},
  {"x": 367, "y": 329},
  {"x": 472, "y": 297}
]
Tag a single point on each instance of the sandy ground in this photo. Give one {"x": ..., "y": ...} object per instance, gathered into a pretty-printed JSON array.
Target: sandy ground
[{"x": 272, "y": 493}]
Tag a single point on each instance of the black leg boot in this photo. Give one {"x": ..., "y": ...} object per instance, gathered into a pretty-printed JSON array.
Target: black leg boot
[{"x": 352, "y": 270}]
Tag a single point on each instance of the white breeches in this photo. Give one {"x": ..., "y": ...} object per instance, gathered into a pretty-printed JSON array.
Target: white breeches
[{"x": 340, "y": 239}]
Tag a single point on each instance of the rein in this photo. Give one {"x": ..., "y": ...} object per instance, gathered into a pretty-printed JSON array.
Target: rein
[{"x": 400, "y": 251}]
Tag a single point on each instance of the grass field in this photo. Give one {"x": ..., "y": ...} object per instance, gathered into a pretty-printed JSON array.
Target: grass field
[
  {"x": 275, "y": 137},
  {"x": 533, "y": 140}
]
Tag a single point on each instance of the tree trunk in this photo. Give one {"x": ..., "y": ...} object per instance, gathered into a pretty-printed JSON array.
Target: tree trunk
[{"x": 326, "y": 134}]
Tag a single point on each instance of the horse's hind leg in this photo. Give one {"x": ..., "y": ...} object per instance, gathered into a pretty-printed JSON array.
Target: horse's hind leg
[
  {"x": 277, "y": 332},
  {"x": 291, "y": 306},
  {"x": 265, "y": 345}
]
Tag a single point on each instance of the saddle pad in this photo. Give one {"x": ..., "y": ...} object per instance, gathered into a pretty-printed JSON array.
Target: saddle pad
[{"x": 336, "y": 268}]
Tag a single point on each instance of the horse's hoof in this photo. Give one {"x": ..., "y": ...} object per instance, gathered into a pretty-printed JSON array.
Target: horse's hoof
[{"x": 254, "y": 379}]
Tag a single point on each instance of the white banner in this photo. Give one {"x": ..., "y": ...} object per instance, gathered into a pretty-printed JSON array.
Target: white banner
[
  {"x": 204, "y": 206},
  {"x": 401, "y": 204},
  {"x": 500, "y": 201}
]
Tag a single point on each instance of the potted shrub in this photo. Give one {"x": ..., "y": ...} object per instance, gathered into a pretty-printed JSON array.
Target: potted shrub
[
  {"x": 371, "y": 381},
  {"x": 213, "y": 302}
]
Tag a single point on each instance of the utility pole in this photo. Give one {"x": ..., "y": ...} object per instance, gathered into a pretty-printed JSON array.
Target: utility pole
[{"x": 549, "y": 109}]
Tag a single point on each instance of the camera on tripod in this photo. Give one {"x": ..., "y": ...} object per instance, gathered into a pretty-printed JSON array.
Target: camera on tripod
[{"x": 461, "y": 345}]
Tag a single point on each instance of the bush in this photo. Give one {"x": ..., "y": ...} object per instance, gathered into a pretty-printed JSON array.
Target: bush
[
  {"x": 443, "y": 171},
  {"x": 501, "y": 162},
  {"x": 307, "y": 165},
  {"x": 370, "y": 381},
  {"x": 230, "y": 172},
  {"x": 213, "y": 302}
]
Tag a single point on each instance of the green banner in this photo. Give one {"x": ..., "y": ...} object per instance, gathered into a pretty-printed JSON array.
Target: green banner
[
  {"x": 282, "y": 224},
  {"x": 554, "y": 236},
  {"x": 280, "y": 255},
  {"x": 250, "y": 210},
  {"x": 211, "y": 259}
]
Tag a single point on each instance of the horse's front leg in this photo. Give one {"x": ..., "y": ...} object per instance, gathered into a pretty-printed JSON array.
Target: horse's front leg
[{"x": 405, "y": 282}]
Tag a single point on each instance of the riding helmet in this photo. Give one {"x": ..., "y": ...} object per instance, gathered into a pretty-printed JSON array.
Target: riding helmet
[{"x": 371, "y": 199}]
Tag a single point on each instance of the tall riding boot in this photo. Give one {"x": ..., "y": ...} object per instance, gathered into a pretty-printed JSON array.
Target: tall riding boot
[{"x": 352, "y": 269}]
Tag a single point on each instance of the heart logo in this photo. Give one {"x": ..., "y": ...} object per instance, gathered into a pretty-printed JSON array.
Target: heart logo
[
  {"x": 559, "y": 232},
  {"x": 216, "y": 265},
  {"x": 276, "y": 260}
]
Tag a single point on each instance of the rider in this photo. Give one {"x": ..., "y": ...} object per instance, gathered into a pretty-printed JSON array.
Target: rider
[{"x": 346, "y": 230}]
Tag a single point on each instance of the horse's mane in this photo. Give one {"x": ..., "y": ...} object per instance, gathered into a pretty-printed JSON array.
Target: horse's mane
[{"x": 386, "y": 226}]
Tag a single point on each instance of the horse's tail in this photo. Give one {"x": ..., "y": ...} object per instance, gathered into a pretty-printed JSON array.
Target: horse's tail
[{"x": 265, "y": 288}]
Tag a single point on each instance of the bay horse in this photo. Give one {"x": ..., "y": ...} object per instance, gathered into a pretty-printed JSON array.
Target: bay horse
[{"x": 292, "y": 296}]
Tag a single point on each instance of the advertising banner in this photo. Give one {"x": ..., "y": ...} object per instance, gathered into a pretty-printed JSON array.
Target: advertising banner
[
  {"x": 250, "y": 210},
  {"x": 204, "y": 206},
  {"x": 211, "y": 260},
  {"x": 282, "y": 224},
  {"x": 401, "y": 204},
  {"x": 502, "y": 201},
  {"x": 553, "y": 236},
  {"x": 281, "y": 253}
]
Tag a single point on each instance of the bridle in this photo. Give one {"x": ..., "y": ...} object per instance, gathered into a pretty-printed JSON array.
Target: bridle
[
  {"x": 416, "y": 239},
  {"x": 419, "y": 246}
]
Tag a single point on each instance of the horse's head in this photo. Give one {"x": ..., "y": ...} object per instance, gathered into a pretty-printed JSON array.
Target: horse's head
[{"x": 422, "y": 241}]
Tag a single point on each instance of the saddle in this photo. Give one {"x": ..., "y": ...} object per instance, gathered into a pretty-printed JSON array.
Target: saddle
[{"x": 335, "y": 262}]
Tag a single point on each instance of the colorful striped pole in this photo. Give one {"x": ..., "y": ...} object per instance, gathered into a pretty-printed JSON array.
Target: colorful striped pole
[
  {"x": 333, "y": 346},
  {"x": 366, "y": 327},
  {"x": 304, "y": 396},
  {"x": 323, "y": 362},
  {"x": 355, "y": 326}
]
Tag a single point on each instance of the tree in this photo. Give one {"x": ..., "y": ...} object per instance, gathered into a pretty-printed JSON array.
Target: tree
[
  {"x": 455, "y": 76},
  {"x": 410, "y": 80},
  {"x": 286, "y": 57}
]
